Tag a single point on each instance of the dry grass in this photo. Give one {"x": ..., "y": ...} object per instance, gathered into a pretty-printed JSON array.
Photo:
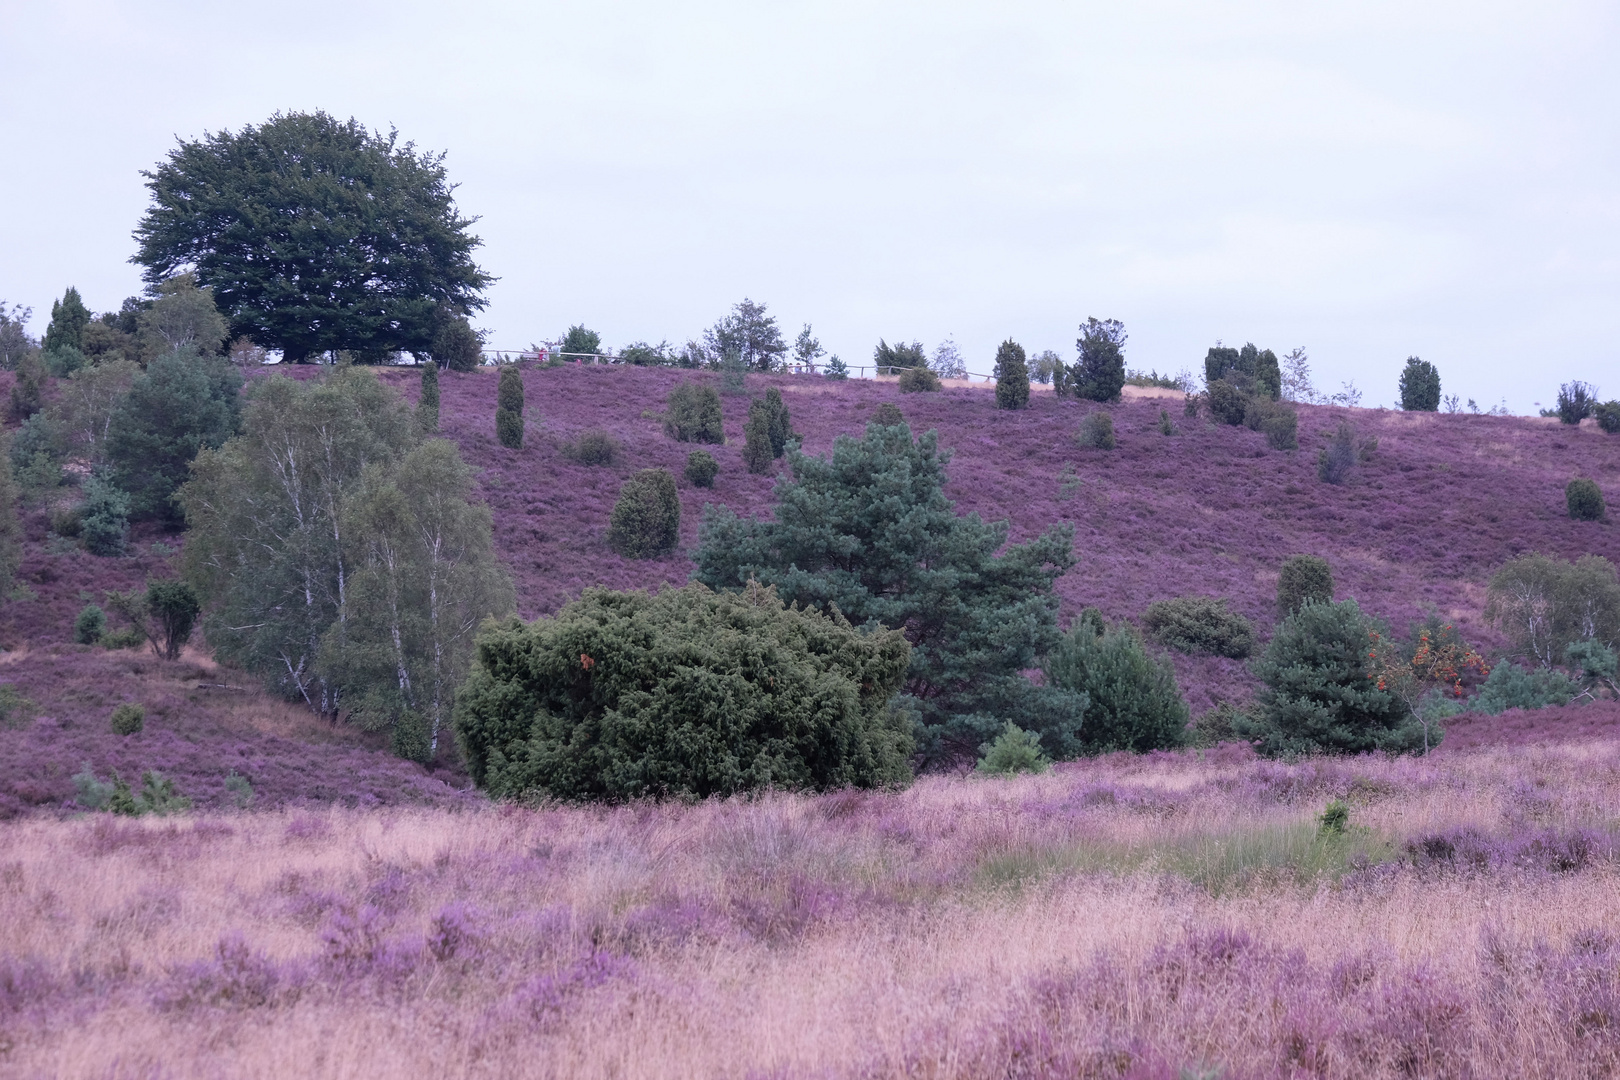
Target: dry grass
[{"x": 1092, "y": 921}]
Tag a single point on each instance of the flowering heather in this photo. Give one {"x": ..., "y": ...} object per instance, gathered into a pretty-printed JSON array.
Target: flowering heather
[{"x": 1166, "y": 915}]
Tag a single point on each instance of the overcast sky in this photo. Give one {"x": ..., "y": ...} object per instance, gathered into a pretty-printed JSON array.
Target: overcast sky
[{"x": 1370, "y": 180}]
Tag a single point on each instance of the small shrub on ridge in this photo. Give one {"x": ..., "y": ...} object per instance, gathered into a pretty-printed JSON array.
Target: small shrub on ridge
[
  {"x": 701, "y": 469},
  {"x": 1096, "y": 432},
  {"x": 1277, "y": 420},
  {"x": 1012, "y": 376},
  {"x": 1200, "y": 624},
  {"x": 1227, "y": 404},
  {"x": 1585, "y": 499},
  {"x": 919, "y": 380},
  {"x": 1420, "y": 386},
  {"x": 1608, "y": 417},
  {"x": 1335, "y": 460},
  {"x": 128, "y": 719},
  {"x": 1576, "y": 401},
  {"x": 646, "y": 520}
]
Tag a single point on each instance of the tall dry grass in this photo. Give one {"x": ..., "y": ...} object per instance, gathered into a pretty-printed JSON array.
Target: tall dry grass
[{"x": 1159, "y": 916}]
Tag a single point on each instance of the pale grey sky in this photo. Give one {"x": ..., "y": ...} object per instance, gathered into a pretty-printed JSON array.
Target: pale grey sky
[{"x": 1369, "y": 180}]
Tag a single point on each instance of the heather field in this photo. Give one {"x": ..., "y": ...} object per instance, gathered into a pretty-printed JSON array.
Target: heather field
[{"x": 1162, "y": 916}]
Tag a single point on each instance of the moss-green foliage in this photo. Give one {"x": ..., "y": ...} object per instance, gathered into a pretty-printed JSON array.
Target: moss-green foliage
[
  {"x": 1165, "y": 426},
  {"x": 581, "y": 341},
  {"x": 1012, "y": 376},
  {"x": 1134, "y": 701},
  {"x": 1227, "y": 404},
  {"x": 182, "y": 403},
  {"x": 1510, "y": 686},
  {"x": 835, "y": 369},
  {"x": 593, "y": 448},
  {"x": 90, "y": 625},
  {"x": 1546, "y": 604},
  {"x": 1215, "y": 726},
  {"x": 104, "y": 517},
  {"x": 128, "y": 718},
  {"x": 28, "y": 392},
  {"x": 757, "y": 439},
  {"x": 1319, "y": 696},
  {"x": 701, "y": 468},
  {"x": 1099, "y": 372},
  {"x": 1014, "y": 751},
  {"x": 1252, "y": 372},
  {"x": 1303, "y": 579},
  {"x": 778, "y": 425},
  {"x": 921, "y": 380},
  {"x": 157, "y": 795},
  {"x": 1200, "y": 624},
  {"x": 1096, "y": 432},
  {"x": 870, "y": 531},
  {"x": 688, "y": 693},
  {"x": 456, "y": 345},
  {"x": 646, "y": 520},
  {"x": 509, "y": 409},
  {"x": 898, "y": 355},
  {"x": 1608, "y": 417},
  {"x": 1420, "y": 386},
  {"x": 693, "y": 414},
  {"x": 888, "y": 415},
  {"x": 427, "y": 403},
  {"x": 69, "y": 317},
  {"x": 1277, "y": 420},
  {"x": 1584, "y": 499},
  {"x": 1576, "y": 401}
]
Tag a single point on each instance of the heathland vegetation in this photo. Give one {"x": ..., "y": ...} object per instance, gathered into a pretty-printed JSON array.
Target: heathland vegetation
[{"x": 664, "y": 711}]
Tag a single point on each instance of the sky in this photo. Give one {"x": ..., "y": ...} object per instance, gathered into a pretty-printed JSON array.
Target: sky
[{"x": 1370, "y": 181}]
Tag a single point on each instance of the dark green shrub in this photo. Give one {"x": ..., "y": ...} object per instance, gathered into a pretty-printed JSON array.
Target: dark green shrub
[
  {"x": 456, "y": 345},
  {"x": 68, "y": 521},
  {"x": 778, "y": 425},
  {"x": 580, "y": 342},
  {"x": 1319, "y": 696},
  {"x": 1252, "y": 372},
  {"x": 1510, "y": 686},
  {"x": 641, "y": 354},
  {"x": 180, "y": 404},
  {"x": 1014, "y": 751},
  {"x": 757, "y": 439},
  {"x": 90, "y": 625},
  {"x": 1277, "y": 420},
  {"x": 1584, "y": 499},
  {"x": 509, "y": 409},
  {"x": 701, "y": 468},
  {"x": 898, "y": 355},
  {"x": 1335, "y": 460},
  {"x": 1545, "y": 604},
  {"x": 427, "y": 403},
  {"x": 646, "y": 520},
  {"x": 835, "y": 369},
  {"x": 688, "y": 693},
  {"x": 1420, "y": 386},
  {"x": 128, "y": 719},
  {"x": 1227, "y": 404},
  {"x": 1096, "y": 432},
  {"x": 1099, "y": 373},
  {"x": 920, "y": 380},
  {"x": 127, "y": 638},
  {"x": 693, "y": 414},
  {"x": 1576, "y": 401},
  {"x": 104, "y": 517},
  {"x": 1334, "y": 819},
  {"x": 157, "y": 796},
  {"x": 1216, "y": 726},
  {"x": 164, "y": 614},
  {"x": 28, "y": 392},
  {"x": 1199, "y": 624},
  {"x": 888, "y": 415},
  {"x": 1303, "y": 579},
  {"x": 1012, "y": 376},
  {"x": 593, "y": 448},
  {"x": 62, "y": 362},
  {"x": 1134, "y": 701},
  {"x": 1608, "y": 417},
  {"x": 1165, "y": 426}
]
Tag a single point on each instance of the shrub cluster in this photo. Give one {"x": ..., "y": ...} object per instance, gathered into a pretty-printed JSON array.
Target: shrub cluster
[
  {"x": 919, "y": 380},
  {"x": 1277, "y": 420},
  {"x": 1576, "y": 401},
  {"x": 1303, "y": 579},
  {"x": 593, "y": 448},
  {"x": 692, "y": 414},
  {"x": 1584, "y": 499},
  {"x": 757, "y": 454},
  {"x": 1545, "y": 604},
  {"x": 1096, "y": 432},
  {"x": 687, "y": 693},
  {"x": 1608, "y": 417},
  {"x": 1012, "y": 376},
  {"x": 701, "y": 468},
  {"x": 1134, "y": 703},
  {"x": 1014, "y": 751},
  {"x": 646, "y": 521},
  {"x": 128, "y": 718},
  {"x": 1420, "y": 386},
  {"x": 1200, "y": 624}
]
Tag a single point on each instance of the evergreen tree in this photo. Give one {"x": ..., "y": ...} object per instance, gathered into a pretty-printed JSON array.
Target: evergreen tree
[
  {"x": 315, "y": 235},
  {"x": 509, "y": 408},
  {"x": 1303, "y": 579},
  {"x": 870, "y": 532},
  {"x": 180, "y": 404},
  {"x": 10, "y": 530},
  {"x": 757, "y": 438},
  {"x": 646, "y": 520},
  {"x": 1420, "y": 386},
  {"x": 1320, "y": 696},
  {"x": 181, "y": 316},
  {"x": 748, "y": 334},
  {"x": 1133, "y": 700},
  {"x": 456, "y": 345},
  {"x": 1099, "y": 373},
  {"x": 427, "y": 404},
  {"x": 1012, "y": 376},
  {"x": 778, "y": 425},
  {"x": 69, "y": 317},
  {"x": 580, "y": 342}
]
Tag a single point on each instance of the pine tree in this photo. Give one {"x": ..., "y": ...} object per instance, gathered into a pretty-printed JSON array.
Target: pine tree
[
  {"x": 1012, "y": 376},
  {"x": 509, "y": 409},
  {"x": 427, "y": 404},
  {"x": 69, "y": 317}
]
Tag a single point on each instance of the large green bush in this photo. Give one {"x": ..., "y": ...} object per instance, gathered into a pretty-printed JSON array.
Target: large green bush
[
  {"x": 1320, "y": 696},
  {"x": 646, "y": 520},
  {"x": 1303, "y": 579},
  {"x": 1200, "y": 624},
  {"x": 1012, "y": 376},
  {"x": 688, "y": 693},
  {"x": 1252, "y": 372},
  {"x": 1096, "y": 432},
  {"x": 919, "y": 380},
  {"x": 104, "y": 518},
  {"x": 1608, "y": 417},
  {"x": 1277, "y": 420},
  {"x": 701, "y": 468},
  {"x": 1546, "y": 604},
  {"x": 1576, "y": 401},
  {"x": 1420, "y": 386},
  {"x": 1584, "y": 499},
  {"x": 1227, "y": 404},
  {"x": 1098, "y": 373},
  {"x": 1510, "y": 686},
  {"x": 692, "y": 414},
  {"x": 1134, "y": 701}
]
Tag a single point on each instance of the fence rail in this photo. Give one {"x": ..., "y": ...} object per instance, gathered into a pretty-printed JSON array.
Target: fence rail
[{"x": 858, "y": 371}]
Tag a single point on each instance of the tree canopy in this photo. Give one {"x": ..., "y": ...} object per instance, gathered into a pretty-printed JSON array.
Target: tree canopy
[{"x": 315, "y": 234}]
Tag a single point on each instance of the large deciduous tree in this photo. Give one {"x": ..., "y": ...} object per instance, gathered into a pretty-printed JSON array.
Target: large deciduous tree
[
  {"x": 748, "y": 334},
  {"x": 315, "y": 234},
  {"x": 869, "y": 531}
]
